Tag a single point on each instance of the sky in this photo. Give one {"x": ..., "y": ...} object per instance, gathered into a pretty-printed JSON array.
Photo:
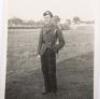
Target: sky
[{"x": 33, "y": 9}]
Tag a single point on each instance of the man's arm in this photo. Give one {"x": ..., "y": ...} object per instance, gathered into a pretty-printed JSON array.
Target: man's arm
[
  {"x": 40, "y": 41},
  {"x": 60, "y": 39}
]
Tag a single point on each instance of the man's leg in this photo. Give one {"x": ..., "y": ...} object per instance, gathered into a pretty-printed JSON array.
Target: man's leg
[
  {"x": 44, "y": 63},
  {"x": 52, "y": 71}
]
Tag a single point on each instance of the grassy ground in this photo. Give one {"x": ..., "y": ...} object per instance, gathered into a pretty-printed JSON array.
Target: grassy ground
[{"x": 74, "y": 66}]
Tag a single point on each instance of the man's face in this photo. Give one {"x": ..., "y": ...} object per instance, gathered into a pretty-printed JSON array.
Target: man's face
[{"x": 47, "y": 19}]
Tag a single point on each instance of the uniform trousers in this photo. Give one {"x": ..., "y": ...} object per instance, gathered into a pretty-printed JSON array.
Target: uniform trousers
[{"x": 48, "y": 62}]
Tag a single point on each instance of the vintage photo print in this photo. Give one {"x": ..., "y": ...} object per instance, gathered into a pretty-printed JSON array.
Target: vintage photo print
[{"x": 50, "y": 49}]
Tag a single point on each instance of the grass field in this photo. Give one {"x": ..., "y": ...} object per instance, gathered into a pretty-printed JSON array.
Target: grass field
[{"x": 74, "y": 66}]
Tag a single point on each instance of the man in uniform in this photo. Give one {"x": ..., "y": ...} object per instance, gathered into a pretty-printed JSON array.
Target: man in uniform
[{"x": 47, "y": 49}]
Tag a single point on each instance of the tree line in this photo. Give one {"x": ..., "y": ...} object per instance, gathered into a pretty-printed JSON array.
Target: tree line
[{"x": 20, "y": 23}]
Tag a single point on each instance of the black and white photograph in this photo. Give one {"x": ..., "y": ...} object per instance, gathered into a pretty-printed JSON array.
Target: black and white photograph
[{"x": 50, "y": 49}]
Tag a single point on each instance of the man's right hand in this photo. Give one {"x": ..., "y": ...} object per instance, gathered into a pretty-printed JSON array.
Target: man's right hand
[{"x": 36, "y": 55}]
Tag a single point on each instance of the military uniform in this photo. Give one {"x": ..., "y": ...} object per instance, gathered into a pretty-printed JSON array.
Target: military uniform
[{"x": 48, "y": 48}]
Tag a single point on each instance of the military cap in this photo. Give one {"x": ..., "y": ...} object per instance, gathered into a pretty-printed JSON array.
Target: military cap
[{"x": 48, "y": 13}]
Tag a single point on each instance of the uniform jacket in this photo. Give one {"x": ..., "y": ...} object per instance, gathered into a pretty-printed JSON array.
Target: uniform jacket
[{"x": 50, "y": 37}]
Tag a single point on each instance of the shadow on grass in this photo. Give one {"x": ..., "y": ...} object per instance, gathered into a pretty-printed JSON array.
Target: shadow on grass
[{"x": 74, "y": 76}]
